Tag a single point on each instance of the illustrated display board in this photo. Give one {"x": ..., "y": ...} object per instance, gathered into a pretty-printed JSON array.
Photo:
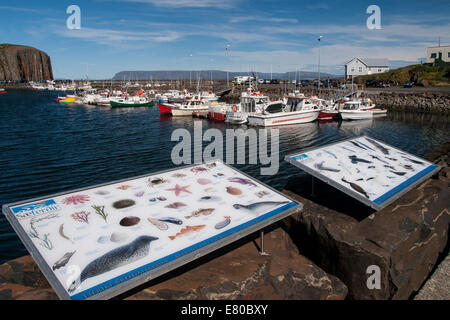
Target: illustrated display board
[
  {"x": 98, "y": 242},
  {"x": 369, "y": 170}
]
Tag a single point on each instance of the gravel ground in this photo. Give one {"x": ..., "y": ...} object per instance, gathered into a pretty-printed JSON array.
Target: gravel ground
[{"x": 438, "y": 285}]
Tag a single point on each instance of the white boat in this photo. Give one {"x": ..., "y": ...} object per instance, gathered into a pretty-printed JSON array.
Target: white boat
[
  {"x": 356, "y": 110},
  {"x": 352, "y": 110},
  {"x": 188, "y": 107},
  {"x": 297, "y": 109},
  {"x": 251, "y": 102}
]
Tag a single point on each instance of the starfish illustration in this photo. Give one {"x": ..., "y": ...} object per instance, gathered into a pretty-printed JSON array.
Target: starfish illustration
[{"x": 179, "y": 189}]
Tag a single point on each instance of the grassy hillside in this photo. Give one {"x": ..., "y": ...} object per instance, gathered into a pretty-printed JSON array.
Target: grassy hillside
[{"x": 422, "y": 74}]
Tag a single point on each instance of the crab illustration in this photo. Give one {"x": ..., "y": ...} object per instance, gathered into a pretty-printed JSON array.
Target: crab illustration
[
  {"x": 199, "y": 169},
  {"x": 155, "y": 181}
]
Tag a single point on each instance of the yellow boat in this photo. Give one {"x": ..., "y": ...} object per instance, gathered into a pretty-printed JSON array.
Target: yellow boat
[{"x": 68, "y": 99}]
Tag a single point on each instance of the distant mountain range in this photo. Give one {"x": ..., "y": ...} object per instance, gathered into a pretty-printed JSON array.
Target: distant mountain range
[{"x": 214, "y": 74}]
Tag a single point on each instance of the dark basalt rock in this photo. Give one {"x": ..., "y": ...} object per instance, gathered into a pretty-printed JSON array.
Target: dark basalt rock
[
  {"x": 404, "y": 239},
  {"x": 19, "y": 63}
]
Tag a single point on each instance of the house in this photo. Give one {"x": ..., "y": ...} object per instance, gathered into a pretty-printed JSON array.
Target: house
[
  {"x": 440, "y": 52},
  {"x": 364, "y": 66}
]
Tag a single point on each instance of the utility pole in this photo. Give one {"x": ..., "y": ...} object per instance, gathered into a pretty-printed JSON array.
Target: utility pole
[
  {"x": 318, "y": 85},
  {"x": 226, "y": 54}
]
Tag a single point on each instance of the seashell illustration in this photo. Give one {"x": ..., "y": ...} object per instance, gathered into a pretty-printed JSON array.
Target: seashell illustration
[
  {"x": 234, "y": 191},
  {"x": 103, "y": 239},
  {"x": 223, "y": 223},
  {"x": 176, "y": 205},
  {"x": 102, "y": 192},
  {"x": 121, "y": 204},
  {"x": 129, "y": 221},
  {"x": 204, "y": 181},
  {"x": 118, "y": 237},
  {"x": 139, "y": 194}
]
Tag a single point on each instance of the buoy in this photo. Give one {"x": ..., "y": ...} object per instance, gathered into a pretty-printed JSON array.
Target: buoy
[{"x": 234, "y": 108}]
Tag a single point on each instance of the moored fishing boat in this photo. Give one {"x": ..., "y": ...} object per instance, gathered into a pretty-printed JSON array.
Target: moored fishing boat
[
  {"x": 298, "y": 109},
  {"x": 352, "y": 111},
  {"x": 251, "y": 102},
  {"x": 70, "y": 99},
  {"x": 165, "y": 107},
  {"x": 2, "y": 91},
  {"x": 189, "y": 107},
  {"x": 130, "y": 102}
]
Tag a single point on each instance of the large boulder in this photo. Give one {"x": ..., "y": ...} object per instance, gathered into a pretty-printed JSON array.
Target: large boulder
[{"x": 344, "y": 238}]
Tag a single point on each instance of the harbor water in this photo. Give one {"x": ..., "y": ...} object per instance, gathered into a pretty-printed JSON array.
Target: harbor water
[{"x": 47, "y": 148}]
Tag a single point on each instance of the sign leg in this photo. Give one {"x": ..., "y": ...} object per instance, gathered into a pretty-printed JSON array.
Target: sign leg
[{"x": 261, "y": 247}]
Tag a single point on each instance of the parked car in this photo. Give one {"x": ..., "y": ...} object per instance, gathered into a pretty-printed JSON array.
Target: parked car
[
  {"x": 267, "y": 81},
  {"x": 408, "y": 84},
  {"x": 274, "y": 81}
]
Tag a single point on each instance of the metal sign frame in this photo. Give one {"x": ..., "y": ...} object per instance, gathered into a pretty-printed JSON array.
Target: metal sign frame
[
  {"x": 381, "y": 201},
  {"x": 154, "y": 269}
]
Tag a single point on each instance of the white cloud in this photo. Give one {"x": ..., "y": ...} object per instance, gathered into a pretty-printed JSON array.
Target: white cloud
[{"x": 187, "y": 3}]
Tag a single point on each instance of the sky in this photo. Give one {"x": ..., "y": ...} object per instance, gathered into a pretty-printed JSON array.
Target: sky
[{"x": 281, "y": 35}]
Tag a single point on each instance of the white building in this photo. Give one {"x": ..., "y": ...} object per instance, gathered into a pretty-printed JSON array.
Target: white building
[
  {"x": 440, "y": 52},
  {"x": 363, "y": 66}
]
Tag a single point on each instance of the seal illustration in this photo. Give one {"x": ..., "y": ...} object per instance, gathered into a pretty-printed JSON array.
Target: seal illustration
[
  {"x": 114, "y": 259},
  {"x": 259, "y": 207}
]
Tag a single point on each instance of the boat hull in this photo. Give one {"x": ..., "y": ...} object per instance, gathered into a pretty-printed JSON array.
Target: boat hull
[
  {"x": 283, "y": 118},
  {"x": 328, "y": 115},
  {"x": 164, "y": 108},
  {"x": 356, "y": 114},
  {"x": 181, "y": 112},
  {"x": 115, "y": 104}
]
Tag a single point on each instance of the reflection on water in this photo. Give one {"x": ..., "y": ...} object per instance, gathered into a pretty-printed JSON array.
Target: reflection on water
[{"x": 48, "y": 148}]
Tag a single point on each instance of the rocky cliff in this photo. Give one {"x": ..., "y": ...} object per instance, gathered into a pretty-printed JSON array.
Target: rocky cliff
[{"x": 24, "y": 63}]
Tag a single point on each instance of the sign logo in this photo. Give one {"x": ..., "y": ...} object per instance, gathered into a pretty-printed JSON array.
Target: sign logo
[
  {"x": 301, "y": 157},
  {"x": 35, "y": 209}
]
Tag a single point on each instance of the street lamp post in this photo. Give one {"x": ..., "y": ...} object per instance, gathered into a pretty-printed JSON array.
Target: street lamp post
[
  {"x": 318, "y": 85},
  {"x": 226, "y": 48}
]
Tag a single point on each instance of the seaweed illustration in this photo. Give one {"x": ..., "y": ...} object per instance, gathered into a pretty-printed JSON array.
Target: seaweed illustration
[
  {"x": 100, "y": 210},
  {"x": 33, "y": 233},
  {"x": 81, "y": 216}
]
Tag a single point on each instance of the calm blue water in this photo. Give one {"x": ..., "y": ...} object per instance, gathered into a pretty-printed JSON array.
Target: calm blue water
[{"x": 46, "y": 148}]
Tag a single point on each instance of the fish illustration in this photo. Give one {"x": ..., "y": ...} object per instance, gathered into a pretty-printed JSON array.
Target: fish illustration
[
  {"x": 392, "y": 159},
  {"x": 242, "y": 181},
  {"x": 63, "y": 261},
  {"x": 370, "y": 178},
  {"x": 365, "y": 145},
  {"x": 171, "y": 220},
  {"x": 210, "y": 199},
  {"x": 356, "y": 144},
  {"x": 223, "y": 223},
  {"x": 398, "y": 173},
  {"x": 390, "y": 167},
  {"x": 406, "y": 166},
  {"x": 320, "y": 166},
  {"x": 378, "y": 146},
  {"x": 356, "y": 187},
  {"x": 62, "y": 234},
  {"x": 178, "y": 175},
  {"x": 187, "y": 230},
  {"x": 413, "y": 161},
  {"x": 159, "y": 224},
  {"x": 124, "y": 187},
  {"x": 330, "y": 153},
  {"x": 345, "y": 148},
  {"x": 371, "y": 167},
  {"x": 355, "y": 160},
  {"x": 258, "y": 207},
  {"x": 114, "y": 259},
  {"x": 176, "y": 205},
  {"x": 261, "y": 194},
  {"x": 199, "y": 212},
  {"x": 381, "y": 160}
]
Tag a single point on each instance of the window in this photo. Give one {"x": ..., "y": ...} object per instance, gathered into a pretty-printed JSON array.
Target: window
[
  {"x": 353, "y": 69},
  {"x": 448, "y": 55},
  {"x": 379, "y": 70},
  {"x": 433, "y": 55},
  {"x": 360, "y": 69}
]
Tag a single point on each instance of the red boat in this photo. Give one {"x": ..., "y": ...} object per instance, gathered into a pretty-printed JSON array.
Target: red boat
[
  {"x": 328, "y": 114},
  {"x": 2, "y": 91},
  {"x": 164, "y": 108}
]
